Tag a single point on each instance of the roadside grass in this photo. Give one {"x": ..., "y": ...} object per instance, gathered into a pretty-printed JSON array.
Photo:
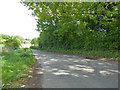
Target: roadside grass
[
  {"x": 0, "y": 73},
  {"x": 97, "y": 53},
  {"x": 34, "y": 47},
  {"x": 107, "y": 53},
  {"x": 14, "y": 65}
]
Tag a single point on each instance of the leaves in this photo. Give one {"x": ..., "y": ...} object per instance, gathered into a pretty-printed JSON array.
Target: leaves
[{"x": 58, "y": 22}]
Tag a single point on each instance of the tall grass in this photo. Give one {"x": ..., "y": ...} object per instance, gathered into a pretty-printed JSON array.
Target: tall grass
[{"x": 14, "y": 65}]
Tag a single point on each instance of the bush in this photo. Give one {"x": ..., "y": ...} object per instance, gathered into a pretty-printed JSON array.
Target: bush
[{"x": 10, "y": 42}]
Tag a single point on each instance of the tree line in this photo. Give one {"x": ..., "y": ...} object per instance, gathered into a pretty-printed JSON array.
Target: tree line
[{"x": 77, "y": 25}]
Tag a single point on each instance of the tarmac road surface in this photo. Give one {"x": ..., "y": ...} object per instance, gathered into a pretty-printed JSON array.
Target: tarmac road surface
[{"x": 69, "y": 71}]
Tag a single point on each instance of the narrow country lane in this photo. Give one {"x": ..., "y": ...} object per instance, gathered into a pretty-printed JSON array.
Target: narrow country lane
[{"x": 68, "y": 71}]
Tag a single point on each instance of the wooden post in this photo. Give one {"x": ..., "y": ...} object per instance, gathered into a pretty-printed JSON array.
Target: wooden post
[{"x": 25, "y": 50}]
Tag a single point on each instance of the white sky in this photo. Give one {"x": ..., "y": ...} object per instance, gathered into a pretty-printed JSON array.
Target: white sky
[{"x": 14, "y": 19}]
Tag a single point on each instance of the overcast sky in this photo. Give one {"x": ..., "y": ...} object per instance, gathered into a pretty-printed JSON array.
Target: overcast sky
[{"x": 14, "y": 19}]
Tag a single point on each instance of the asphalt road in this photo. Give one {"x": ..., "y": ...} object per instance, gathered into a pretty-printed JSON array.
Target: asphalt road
[{"x": 68, "y": 71}]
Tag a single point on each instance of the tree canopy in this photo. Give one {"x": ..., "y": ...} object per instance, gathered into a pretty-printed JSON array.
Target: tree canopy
[{"x": 77, "y": 25}]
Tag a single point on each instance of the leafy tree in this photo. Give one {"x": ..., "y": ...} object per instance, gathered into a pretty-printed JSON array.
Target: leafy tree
[
  {"x": 74, "y": 25},
  {"x": 34, "y": 41},
  {"x": 10, "y": 42}
]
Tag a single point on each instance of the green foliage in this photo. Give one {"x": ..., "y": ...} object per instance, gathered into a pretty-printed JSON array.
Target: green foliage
[
  {"x": 80, "y": 26},
  {"x": 14, "y": 64},
  {"x": 34, "y": 47},
  {"x": 21, "y": 39},
  {"x": 34, "y": 41},
  {"x": 10, "y": 42},
  {"x": 5, "y": 36}
]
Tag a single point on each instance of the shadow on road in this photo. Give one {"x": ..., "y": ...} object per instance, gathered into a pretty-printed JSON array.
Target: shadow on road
[{"x": 74, "y": 71}]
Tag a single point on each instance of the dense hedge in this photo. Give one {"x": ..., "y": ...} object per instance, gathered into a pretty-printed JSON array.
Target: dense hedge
[{"x": 78, "y": 26}]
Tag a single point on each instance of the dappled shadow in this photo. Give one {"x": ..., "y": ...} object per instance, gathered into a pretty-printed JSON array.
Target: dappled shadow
[{"x": 99, "y": 74}]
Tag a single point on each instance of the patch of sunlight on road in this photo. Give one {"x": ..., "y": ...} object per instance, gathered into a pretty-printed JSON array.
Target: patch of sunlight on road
[
  {"x": 44, "y": 55},
  {"x": 82, "y": 68},
  {"x": 40, "y": 72},
  {"x": 84, "y": 75},
  {"x": 104, "y": 73},
  {"x": 75, "y": 74},
  {"x": 78, "y": 75},
  {"x": 53, "y": 59},
  {"x": 66, "y": 55},
  {"x": 113, "y": 71},
  {"x": 76, "y": 61},
  {"x": 61, "y": 73},
  {"x": 53, "y": 70},
  {"x": 88, "y": 70},
  {"x": 56, "y": 71},
  {"x": 88, "y": 60},
  {"x": 100, "y": 63},
  {"x": 47, "y": 62}
]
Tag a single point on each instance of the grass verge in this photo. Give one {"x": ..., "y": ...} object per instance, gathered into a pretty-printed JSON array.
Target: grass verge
[
  {"x": 93, "y": 54},
  {"x": 15, "y": 67}
]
